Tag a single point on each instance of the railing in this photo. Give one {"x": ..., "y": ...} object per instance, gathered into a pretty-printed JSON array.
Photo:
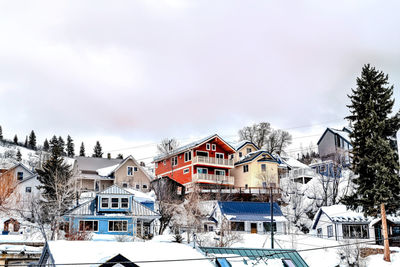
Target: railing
[
  {"x": 213, "y": 161},
  {"x": 297, "y": 173},
  {"x": 212, "y": 178}
]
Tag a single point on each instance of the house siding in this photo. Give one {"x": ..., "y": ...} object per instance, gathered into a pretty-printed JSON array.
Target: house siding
[
  {"x": 103, "y": 224},
  {"x": 138, "y": 178},
  {"x": 253, "y": 178}
]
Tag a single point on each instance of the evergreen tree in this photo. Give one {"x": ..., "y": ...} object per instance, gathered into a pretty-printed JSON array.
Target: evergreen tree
[
  {"x": 97, "y": 150},
  {"x": 82, "y": 150},
  {"x": 54, "y": 146},
  {"x": 374, "y": 159},
  {"x": 19, "y": 155},
  {"x": 46, "y": 145},
  {"x": 32, "y": 140},
  {"x": 1, "y": 133},
  {"x": 70, "y": 147},
  {"x": 61, "y": 146},
  {"x": 120, "y": 156},
  {"x": 26, "y": 142},
  {"x": 16, "y": 140}
]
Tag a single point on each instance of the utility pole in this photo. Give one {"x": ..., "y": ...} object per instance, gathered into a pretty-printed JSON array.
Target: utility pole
[
  {"x": 386, "y": 249},
  {"x": 271, "y": 201}
]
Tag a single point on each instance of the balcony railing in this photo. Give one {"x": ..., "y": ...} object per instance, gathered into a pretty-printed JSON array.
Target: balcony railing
[
  {"x": 212, "y": 178},
  {"x": 213, "y": 161},
  {"x": 298, "y": 173}
]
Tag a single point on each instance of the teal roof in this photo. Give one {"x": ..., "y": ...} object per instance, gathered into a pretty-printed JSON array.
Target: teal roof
[{"x": 254, "y": 253}]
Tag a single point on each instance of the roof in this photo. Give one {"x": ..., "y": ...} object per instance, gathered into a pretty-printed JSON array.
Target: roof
[
  {"x": 292, "y": 163},
  {"x": 244, "y": 211},
  {"x": 254, "y": 155},
  {"x": 115, "y": 190},
  {"x": 192, "y": 145},
  {"x": 243, "y": 143},
  {"x": 254, "y": 253},
  {"x": 342, "y": 133},
  {"x": 78, "y": 252},
  {"x": 93, "y": 164},
  {"x": 340, "y": 214}
]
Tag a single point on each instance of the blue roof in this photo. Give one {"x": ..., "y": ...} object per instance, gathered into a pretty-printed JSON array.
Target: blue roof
[{"x": 248, "y": 208}]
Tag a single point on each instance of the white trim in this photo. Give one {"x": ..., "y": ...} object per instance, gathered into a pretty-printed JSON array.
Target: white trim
[
  {"x": 208, "y": 154},
  {"x": 221, "y": 170},
  {"x": 184, "y": 156},
  {"x": 111, "y": 207},
  {"x": 174, "y": 161},
  {"x": 213, "y": 147},
  {"x": 219, "y": 153},
  {"x": 117, "y": 221},
  {"x": 177, "y": 169},
  {"x": 121, "y": 203},
  {"x": 208, "y": 146},
  {"x": 187, "y": 169},
  {"x": 101, "y": 202}
]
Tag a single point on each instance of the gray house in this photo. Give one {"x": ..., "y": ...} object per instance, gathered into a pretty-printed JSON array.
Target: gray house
[{"x": 335, "y": 145}]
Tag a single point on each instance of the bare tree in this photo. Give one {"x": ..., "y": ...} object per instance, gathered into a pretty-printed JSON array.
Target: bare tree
[
  {"x": 167, "y": 145},
  {"x": 227, "y": 236},
  {"x": 257, "y": 133},
  {"x": 277, "y": 141}
]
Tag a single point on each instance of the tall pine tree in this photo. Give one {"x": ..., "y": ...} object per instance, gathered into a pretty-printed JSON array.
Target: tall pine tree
[
  {"x": 97, "y": 150},
  {"x": 16, "y": 139},
  {"x": 26, "y": 142},
  {"x": 54, "y": 146},
  {"x": 32, "y": 140},
  {"x": 46, "y": 145},
  {"x": 19, "y": 155},
  {"x": 1, "y": 133},
  {"x": 70, "y": 147},
  {"x": 374, "y": 159},
  {"x": 61, "y": 146},
  {"x": 82, "y": 150}
]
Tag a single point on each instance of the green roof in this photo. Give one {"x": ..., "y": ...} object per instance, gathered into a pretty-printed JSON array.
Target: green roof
[{"x": 253, "y": 253}]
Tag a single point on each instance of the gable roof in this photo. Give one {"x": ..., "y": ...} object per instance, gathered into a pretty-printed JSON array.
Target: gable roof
[
  {"x": 290, "y": 162},
  {"x": 344, "y": 134},
  {"x": 340, "y": 214},
  {"x": 243, "y": 211},
  {"x": 192, "y": 145},
  {"x": 119, "y": 259},
  {"x": 256, "y": 253},
  {"x": 243, "y": 143},
  {"x": 93, "y": 164},
  {"x": 114, "y": 190},
  {"x": 130, "y": 157},
  {"x": 254, "y": 155}
]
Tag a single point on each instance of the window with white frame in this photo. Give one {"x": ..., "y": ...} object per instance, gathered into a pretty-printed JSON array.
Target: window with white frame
[
  {"x": 124, "y": 203},
  {"x": 174, "y": 161},
  {"x": 185, "y": 171},
  {"x": 202, "y": 170},
  {"x": 220, "y": 172},
  {"x": 28, "y": 189},
  {"x": 208, "y": 146},
  {"x": 104, "y": 202},
  {"x": 89, "y": 226},
  {"x": 114, "y": 203},
  {"x": 129, "y": 170},
  {"x": 213, "y": 147},
  {"x": 329, "y": 229},
  {"x": 202, "y": 153},
  {"x": 188, "y": 156},
  {"x": 118, "y": 226},
  {"x": 359, "y": 231},
  {"x": 248, "y": 150},
  {"x": 245, "y": 168},
  {"x": 219, "y": 155}
]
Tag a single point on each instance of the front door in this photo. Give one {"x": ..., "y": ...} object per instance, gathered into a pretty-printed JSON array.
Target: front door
[{"x": 253, "y": 228}]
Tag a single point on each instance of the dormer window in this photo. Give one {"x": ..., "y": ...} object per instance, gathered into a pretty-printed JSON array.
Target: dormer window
[
  {"x": 114, "y": 203},
  {"x": 124, "y": 203},
  {"x": 104, "y": 203}
]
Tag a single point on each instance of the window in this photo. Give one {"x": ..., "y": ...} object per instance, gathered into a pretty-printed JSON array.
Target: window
[
  {"x": 90, "y": 226},
  {"x": 208, "y": 146},
  {"x": 124, "y": 203},
  {"x": 137, "y": 186},
  {"x": 202, "y": 153},
  {"x": 156, "y": 165},
  {"x": 248, "y": 150},
  {"x": 164, "y": 162},
  {"x": 240, "y": 154},
  {"x": 114, "y": 203},
  {"x": 355, "y": 231},
  {"x": 174, "y": 161},
  {"x": 185, "y": 171},
  {"x": 118, "y": 226},
  {"x": 263, "y": 167},
  {"x": 130, "y": 171},
  {"x": 20, "y": 176},
  {"x": 202, "y": 170},
  {"x": 245, "y": 168},
  {"x": 214, "y": 147},
  {"x": 104, "y": 203},
  {"x": 237, "y": 226},
  {"x": 188, "y": 156},
  {"x": 124, "y": 185},
  {"x": 28, "y": 189},
  {"x": 219, "y": 155},
  {"x": 210, "y": 228},
  {"x": 329, "y": 229},
  {"x": 319, "y": 232},
  {"x": 145, "y": 186},
  {"x": 220, "y": 172},
  {"x": 135, "y": 169},
  {"x": 267, "y": 226}
]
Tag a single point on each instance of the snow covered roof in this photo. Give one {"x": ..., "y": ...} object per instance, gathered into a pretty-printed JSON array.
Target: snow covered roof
[
  {"x": 191, "y": 145},
  {"x": 107, "y": 170},
  {"x": 291, "y": 162},
  {"x": 140, "y": 196},
  {"x": 344, "y": 133},
  {"x": 79, "y": 252},
  {"x": 340, "y": 214},
  {"x": 93, "y": 164},
  {"x": 393, "y": 219},
  {"x": 254, "y": 155},
  {"x": 20, "y": 249},
  {"x": 243, "y": 143}
]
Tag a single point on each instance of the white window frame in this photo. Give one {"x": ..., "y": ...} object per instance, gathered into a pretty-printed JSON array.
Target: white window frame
[
  {"x": 186, "y": 171},
  {"x": 220, "y": 171},
  {"x": 113, "y": 225},
  {"x": 208, "y": 154},
  {"x": 329, "y": 230},
  {"x": 213, "y": 147},
  {"x": 79, "y": 225},
  {"x": 219, "y": 153},
  {"x": 127, "y": 170},
  {"x": 208, "y": 146},
  {"x": 111, "y": 202},
  {"x": 101, "y": 202},
  {"x": 126, "y": 202},
  {"x": 201, "y": 168},
  {"x": 174, "y": 161},
  {"x": 190, "y": 155}
]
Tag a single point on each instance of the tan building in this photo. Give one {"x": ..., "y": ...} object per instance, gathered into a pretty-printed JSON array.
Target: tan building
[
  {"x": 96, "y": 174},
  {"x": 254, "y": 168}
]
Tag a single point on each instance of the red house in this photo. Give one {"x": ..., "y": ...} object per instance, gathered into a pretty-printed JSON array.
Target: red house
[{"x": 206, "y": 162}]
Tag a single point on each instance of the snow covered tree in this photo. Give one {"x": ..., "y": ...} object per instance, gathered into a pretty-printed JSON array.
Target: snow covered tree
[
  {"x": 16, "y": 139},
  {"x": 1, "y": 133},
  {"x": 70, "y": 147},
  {"x": 19, "y": 155},
  {"x": 375, "y": 161},
  {"x": 46, "y": 145},
  {"x": 26, "y": 142},
  {"x": 61, "y": 146},
  {"x": 82, "y": 150},
  {"x": 54, "y": 146},
  {"x": 97, "y": 150},
  {"x": 32, "y": 140}
]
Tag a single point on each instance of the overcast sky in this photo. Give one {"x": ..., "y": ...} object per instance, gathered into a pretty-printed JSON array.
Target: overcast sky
[{"x": 129, "y": 73}]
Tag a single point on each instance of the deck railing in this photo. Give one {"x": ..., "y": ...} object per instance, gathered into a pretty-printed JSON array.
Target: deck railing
[
  {"x": 298, "y": 173},
  {"x": 212, "y": 178},
  {"x": 213, "y": 161}
]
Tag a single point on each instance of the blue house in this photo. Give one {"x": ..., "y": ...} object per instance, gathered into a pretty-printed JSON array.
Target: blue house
[
  {"x": 112, "y": 211},
  {"x": 253, "y": 217}
]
